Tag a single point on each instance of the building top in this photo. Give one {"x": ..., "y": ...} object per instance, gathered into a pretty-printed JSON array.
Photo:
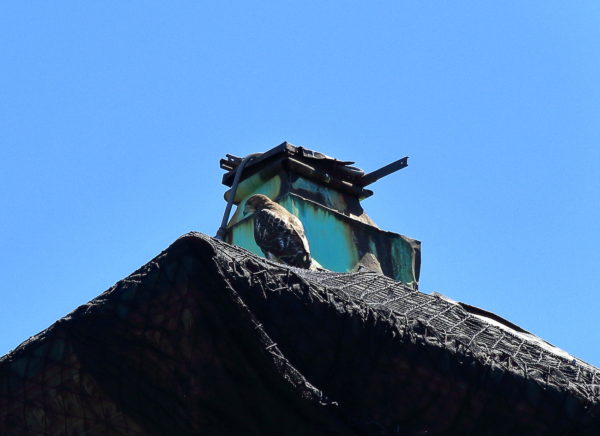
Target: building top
[
  {"x": 324, "y": 193},
  {"x": 338, "y": 174},
  {"x": 209, "y": 339}
]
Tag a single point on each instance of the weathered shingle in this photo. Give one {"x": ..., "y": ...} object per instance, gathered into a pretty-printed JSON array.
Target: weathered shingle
[{"x": 208, "y": 338}]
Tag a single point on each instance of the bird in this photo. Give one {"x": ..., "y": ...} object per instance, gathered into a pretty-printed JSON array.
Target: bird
[{"x": 278, "y": 233}]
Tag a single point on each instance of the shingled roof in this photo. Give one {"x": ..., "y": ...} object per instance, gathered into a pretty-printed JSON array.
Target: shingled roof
[{"x": 208, "y": 338}]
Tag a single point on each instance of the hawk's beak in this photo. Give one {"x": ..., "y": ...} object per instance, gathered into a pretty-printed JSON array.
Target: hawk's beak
[{"x": 248, "y": 209}]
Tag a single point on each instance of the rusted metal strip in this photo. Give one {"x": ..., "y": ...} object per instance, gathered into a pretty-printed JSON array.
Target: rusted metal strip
[{"x": 373, "y": 176}]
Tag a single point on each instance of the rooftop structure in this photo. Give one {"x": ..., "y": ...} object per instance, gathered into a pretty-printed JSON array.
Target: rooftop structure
[
  {"x": 209, "y": 339},
  {"x": 325, "y": 193}
]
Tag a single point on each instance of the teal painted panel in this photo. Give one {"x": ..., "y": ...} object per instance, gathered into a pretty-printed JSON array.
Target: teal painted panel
[
  {"x": 331, "y": 198},
  {"x": 242, "y": 235},
  {"x": 392, "y": 246},
  {"x": 330, "y": 238},
  {"x": 402, "y": 254},
  {"x": 254, "y": 185},
  {"x": 333, "y": 239}
]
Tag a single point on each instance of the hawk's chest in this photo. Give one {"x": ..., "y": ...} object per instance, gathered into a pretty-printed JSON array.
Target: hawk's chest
[
  {"x": 269, "y": 224},
  {"x": 278, "y": 230}
]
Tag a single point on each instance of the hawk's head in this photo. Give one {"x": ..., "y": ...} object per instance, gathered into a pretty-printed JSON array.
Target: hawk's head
[{"x": 257, "y": 202}]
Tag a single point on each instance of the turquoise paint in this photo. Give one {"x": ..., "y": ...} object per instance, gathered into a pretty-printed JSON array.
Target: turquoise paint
[
  {"x": 332, "y": 199},
  {"x": 401, "y": 252},
  {"x": 327, "y": 236},
  {"x": 258, "y": 184},
  {"x": 242, "y": 235},
  {"x": 332, "y": 236},
  {"x": 254, "y": 185},
  {"x": 330, "y": 239}
]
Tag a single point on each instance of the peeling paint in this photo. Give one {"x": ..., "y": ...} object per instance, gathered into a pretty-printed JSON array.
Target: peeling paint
[
  {"x": 338, "y": 230},
  {"x": 338, "y": 242}
]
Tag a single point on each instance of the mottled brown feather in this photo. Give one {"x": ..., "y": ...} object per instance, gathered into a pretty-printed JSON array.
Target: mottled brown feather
[{"x": 278, "y": 233}]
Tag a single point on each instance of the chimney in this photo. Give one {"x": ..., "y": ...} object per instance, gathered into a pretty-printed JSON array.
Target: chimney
[{"x": 325, "y": 194}]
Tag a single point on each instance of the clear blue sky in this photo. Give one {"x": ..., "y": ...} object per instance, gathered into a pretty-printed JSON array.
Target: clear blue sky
[{"x": 113, "y": 117}]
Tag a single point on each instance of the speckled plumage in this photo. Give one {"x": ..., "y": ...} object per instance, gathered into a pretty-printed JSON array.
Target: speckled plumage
[{"x": 278, "y": 233}]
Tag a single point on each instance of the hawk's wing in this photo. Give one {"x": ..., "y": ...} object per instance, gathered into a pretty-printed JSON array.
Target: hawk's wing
[{"x": 281, "y": 235}]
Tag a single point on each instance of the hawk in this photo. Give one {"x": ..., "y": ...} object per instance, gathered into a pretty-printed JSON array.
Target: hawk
[{"x": 278, "y": 233}]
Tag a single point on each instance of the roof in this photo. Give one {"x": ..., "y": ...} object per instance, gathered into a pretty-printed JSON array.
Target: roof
[
  {"x": 313, "y": 165},
  {"x": 208, "y": 338},
  {"x": 342, "y": 169}
]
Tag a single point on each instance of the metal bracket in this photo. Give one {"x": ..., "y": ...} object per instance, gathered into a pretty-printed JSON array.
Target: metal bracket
[{"x": 372, "y": 177}]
